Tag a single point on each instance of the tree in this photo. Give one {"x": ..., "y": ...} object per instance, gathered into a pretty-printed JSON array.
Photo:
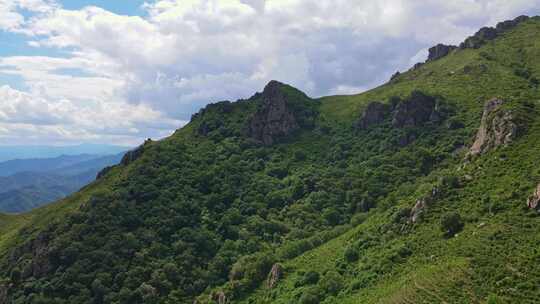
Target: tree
[{"x": 451, "y": 223}]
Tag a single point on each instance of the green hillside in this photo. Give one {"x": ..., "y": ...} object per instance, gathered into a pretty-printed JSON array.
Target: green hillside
[{"x": 280, "y": 198}]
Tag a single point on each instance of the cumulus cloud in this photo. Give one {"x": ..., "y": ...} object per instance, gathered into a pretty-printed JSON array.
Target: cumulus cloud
[{"x": 182, "y": 54}]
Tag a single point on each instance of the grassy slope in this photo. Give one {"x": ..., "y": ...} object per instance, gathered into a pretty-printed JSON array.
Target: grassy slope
[{"x": 497, "y": 253}]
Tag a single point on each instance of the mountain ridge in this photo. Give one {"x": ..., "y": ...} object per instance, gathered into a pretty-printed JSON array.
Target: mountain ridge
[{"x": 329, "y": 213}]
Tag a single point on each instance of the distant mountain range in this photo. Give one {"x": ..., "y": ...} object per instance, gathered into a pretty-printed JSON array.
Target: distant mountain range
[
  {"x": 29, "y": 183},
  {"x": 43, "y": 151}
]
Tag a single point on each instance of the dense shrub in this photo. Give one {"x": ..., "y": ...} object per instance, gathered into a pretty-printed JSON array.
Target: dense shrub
[
  {"x": 451, "y": 223},
  {"x": 331, "y": 283}
]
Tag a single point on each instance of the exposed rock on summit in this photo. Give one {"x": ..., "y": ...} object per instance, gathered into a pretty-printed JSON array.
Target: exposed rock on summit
[
  {"x": 533, "y": 201},
  {"x": 497, "y": 128},
  {"x": 489, "y": 33},
  {"x": 134, "y": 154},
  {"x": 375, "y": 113},
  {"x": 274, "y": 118},
  {"x": 439, "y": 51}
]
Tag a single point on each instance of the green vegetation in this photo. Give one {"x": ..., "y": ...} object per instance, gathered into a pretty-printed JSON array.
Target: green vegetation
[{"x": 206, "y": 213}]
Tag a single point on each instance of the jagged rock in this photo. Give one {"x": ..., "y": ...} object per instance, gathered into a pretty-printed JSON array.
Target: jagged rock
[
  {"x": 219, "y": 297},
  {"x": 533, "y": 201},
  {"x": 416, "y": 66},
  {"x": 274, "y": 118},
  {"x": 395, "y": 75},
  {"x": 497, "y": 128},
  {"x": 510, "y": 24},
  {"x": 489, "y": 33},
  {"x": 418, "y": 210},
  {"x": 276, "y": 273},
  {"x": 134, "y": 154},
  {"x": 374, "y": 113},
  {"x": 415, "y": 111},
  {"x": 421, "y": 205},
  {"x": 439, "y": 51}
]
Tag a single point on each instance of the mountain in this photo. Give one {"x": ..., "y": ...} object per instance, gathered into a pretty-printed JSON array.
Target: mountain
[
  {"x": 14, "y": 166},
  {"x": 27, "y": 184},
  {"x": 34, "y": 151},
  {"x": 423, "y": 190}
]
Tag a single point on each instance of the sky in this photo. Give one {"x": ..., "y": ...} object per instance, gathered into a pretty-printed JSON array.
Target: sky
[{"x": 117, "y": 72}]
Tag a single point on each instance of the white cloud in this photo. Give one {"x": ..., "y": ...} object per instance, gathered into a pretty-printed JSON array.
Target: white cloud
[{"x": 183, "y": 54}]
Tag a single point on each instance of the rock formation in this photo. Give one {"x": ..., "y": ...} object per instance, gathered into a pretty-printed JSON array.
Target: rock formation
[
  {"x": 533, "y": 201},
  {"x": 497, "y": 128},
  {"x": 418, "y": 109},
  {"x": 274, "y": 118},
  {"x": 486, "y": 34},
  {"x": 395, "y": 76},
  {"x": 134, "y": 154},
  {"x": 473, "y": 42},
  {"x": 421, "y": 205},
  {"x": 439, "y": 51},
  {"x": 414, "y": 111},
  {"x": 374, "y": 113},
  {"x": 276, "y": 273},
  {"x": 38, "y": 250},
  {"x": 219, "y": 297}
]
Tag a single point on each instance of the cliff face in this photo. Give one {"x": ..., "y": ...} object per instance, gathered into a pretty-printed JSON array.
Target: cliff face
[
  {"x": 497, "y": 128},
  {"x": 418, "y": 109},
  {"x": 274, "y": 118},
  {"x": 439, "y": 51},
  {"x": 533, "y": 201},
  {"x": 374, "y": 113}
]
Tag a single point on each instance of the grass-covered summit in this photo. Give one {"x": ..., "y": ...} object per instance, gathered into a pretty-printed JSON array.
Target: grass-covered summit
[{"x": 281, "y": 198}]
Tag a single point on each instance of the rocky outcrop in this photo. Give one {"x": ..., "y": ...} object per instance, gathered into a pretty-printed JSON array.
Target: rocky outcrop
[
  {"x": 421, "y": 205},
  {"x": 486, "y": 34},
  {"x": 497, "y": 128},
  {"x": 413, "y": 111},
  {"x": 375, "y": 113},
  {"x": 418, "y": 109},
  {"x": 439, "y": 51},
  {"x": 276, "y": 273},
  {"x": 38, "y": 251},
  {"x": 274, "y": 117},
  {"x": 395, "y": 76},
  {"x": 475, "y": 41},
  {"x": 134, "y": 154},
  {"x": 219, "y": 297},
  {"x": 533, "y": 201}
]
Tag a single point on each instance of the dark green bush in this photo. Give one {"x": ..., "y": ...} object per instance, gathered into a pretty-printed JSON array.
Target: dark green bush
[
  {"x": 331, "y": 283},
  {"x": 351, "y": 254},
  {"x": 451, "y": 223}
]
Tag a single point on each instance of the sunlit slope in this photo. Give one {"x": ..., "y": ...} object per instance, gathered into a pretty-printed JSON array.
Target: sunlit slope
[{"x": 494, "y": 259}]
